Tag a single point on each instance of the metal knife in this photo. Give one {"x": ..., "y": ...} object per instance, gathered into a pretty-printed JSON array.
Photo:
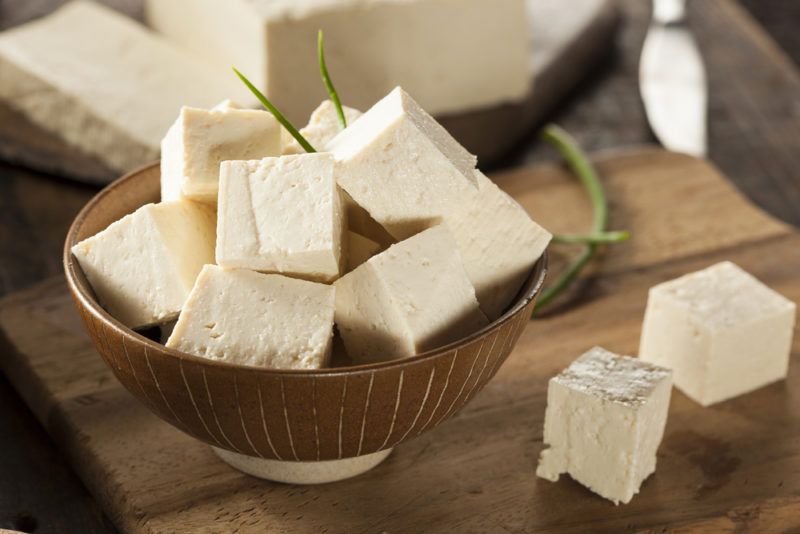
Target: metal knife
[{"x": 672, "y": 80}]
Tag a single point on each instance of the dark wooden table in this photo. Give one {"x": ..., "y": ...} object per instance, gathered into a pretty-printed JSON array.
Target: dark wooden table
[{"x": 754, "y": 138}]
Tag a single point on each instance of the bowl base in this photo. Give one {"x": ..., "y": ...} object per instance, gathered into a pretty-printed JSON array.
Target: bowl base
[{"x": 302, "y": 472}]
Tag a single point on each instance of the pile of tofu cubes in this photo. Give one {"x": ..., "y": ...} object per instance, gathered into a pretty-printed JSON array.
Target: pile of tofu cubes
[
  {"x": 388, "y": 230},
  {"x": 718, "y": 333}
]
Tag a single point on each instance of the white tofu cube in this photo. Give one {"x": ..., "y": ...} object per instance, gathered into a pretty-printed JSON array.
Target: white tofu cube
[
  {"x": 103, "y": 83},
  {"x": 402, "y": 166},
  {"x": 201, "y": 139},
  {"x": 323, "y": 125},
  {"x": 720, "y": 330},
  {"x": 143, "y": 266},
  {"x": 359, "y": 249},
  {"x": 454, "y": 54},
  {"x": 604, "y": 421},
  {"x": 263, "y": 320},
  {"x": 281, "y": 215},
  {"x": 413, "y": 297},
  {"x": 499, "y": 243}
]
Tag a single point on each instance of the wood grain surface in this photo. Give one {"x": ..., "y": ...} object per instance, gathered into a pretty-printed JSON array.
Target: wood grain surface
[
  {"x": 734, "y": 465},
  {"x": 37, "y": 489}
]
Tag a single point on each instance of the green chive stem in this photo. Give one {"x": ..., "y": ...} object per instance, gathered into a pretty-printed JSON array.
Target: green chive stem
[
  {"x": 579, "y": 163},
  {"x": 604, "y": 238},
  {"x": 276, "y": 113},
  {"x": 326, "y": 78}
]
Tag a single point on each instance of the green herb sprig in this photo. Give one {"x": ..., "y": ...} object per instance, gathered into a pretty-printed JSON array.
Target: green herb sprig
[
  {"x": 586, "y": 173},
  {"x": 326, "y": 79},
  {"x": 276, "y": 113}
]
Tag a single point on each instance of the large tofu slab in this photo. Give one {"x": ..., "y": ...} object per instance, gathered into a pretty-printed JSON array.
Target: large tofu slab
[
  {"x": 281, "y": 215},
  {"x": 604, "y": 421},
  {"x": 143, "y": 266},
  {"x": 402, "y": 166},
  {"x": 323, "y": 125},
  {"x": 103, "y": 83},
  {"x": 499, "y": 243},
  {"x": 453, "y": 55},
  {"x": 201, "y": 139},
  {"x": 723, "y": 332},
  {"x": 263, "y": 320},
  {"x": 413, "y": 297}
]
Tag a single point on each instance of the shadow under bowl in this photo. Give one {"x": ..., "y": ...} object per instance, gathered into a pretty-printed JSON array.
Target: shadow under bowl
[{"x": 287, "y": 415}]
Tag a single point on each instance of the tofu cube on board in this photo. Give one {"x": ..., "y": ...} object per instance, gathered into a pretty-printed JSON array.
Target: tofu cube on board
[
  {"x": 721, "y": 331},
  {"x": 402, "y": 166},
  {"x": 604, "y": 422},
  {"x": 499, "y": 244},
  {"x": 143, "y": 266},
  {"x": 455, "y": 54},
  {"x": 413, "y": 297},
  {"x": 201, "y": 139},
  {"x": 263, "y": 320},
  {"x": 281, "y": 215},
  {"x": 103, "y": 83},
  {"x": 323, "y": 125}
]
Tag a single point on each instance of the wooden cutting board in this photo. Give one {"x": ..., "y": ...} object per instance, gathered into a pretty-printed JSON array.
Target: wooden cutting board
[
  {"x": 565, "y": 44},
  {"x": 731, "y": 467}
]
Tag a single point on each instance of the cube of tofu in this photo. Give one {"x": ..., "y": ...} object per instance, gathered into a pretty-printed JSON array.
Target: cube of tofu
[
  {"x": 413, "y": 297},
  {"x": 323, "y": 125},
  {"x": 262, "y": 320},
  {"x": 201, "y": 139},
  {"x": 359, "y": 249},
  {"x": 604, "y": 421},
  {"x": 143, "y": 266},
  {"x": 499, "y": 243},
  {"x": 722, "y": 331},
  {"x": 402, "y": 166},
  {"x": 281, "y": 215}
]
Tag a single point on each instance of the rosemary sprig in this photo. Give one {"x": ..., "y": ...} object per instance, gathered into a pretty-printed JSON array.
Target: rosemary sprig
[
  {"x": 326, "y": 78},
  {"x": 582, "y": 167},
  {"x": 276, "y": 113}
]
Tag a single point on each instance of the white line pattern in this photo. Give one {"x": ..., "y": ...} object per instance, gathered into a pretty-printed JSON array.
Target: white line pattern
[
  {"x": 341, "y": 414},
  {"x": 286, "y": 419},
  {"x": 441, "y": 395},
  {"x": 161, "y": 392},
  {"x": 396, "y": 406},
  {"x": 314, "y": 412},
  {"x": 421, "y": 407},
  {"x": 366, "y": 408},
  {"x": 463, "y": 385},
  {"x": 264, "y": 423},
  {"x": 483, "y": 369},
  {"x": 241, "y": 417},
  {"x": 133, "y": 371},
  {"x": 214, "y": 413},
  {"x": 194, "y": 403}
]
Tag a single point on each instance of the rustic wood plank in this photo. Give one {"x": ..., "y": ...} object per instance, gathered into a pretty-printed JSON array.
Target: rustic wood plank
[{"x": 729, "y": 466}]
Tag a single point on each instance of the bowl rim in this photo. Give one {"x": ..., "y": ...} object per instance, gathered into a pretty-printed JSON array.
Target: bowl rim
[{"x": 534, "y": 283}]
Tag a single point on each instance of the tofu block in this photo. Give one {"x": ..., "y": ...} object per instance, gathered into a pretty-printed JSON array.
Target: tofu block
[
  {"x": 411, "y": 298},
  {"x": 402, "y": 166},
  {"x": 323, "y": 125},
  {"x": 499, "y": 244},
  {"x": 103, "y": 83},
  {"x": 720, "y": 330},
  {"x": 143, "y": 266},
  {"x": 262, "y": 320},
  {"x": 281, "y": 215},
  {"x": 359, "y": 249},
  {"x": 604, "y": 422},
  {"x": 201, "y": 139},
  {"x": 454, "y": 55}
]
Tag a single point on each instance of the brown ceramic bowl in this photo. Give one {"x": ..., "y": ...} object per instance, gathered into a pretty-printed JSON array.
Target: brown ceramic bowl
[{"x": 287, "y": 415}]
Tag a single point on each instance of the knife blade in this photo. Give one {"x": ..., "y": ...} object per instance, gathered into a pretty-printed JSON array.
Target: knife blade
[{"x": 672, "y": 81}]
